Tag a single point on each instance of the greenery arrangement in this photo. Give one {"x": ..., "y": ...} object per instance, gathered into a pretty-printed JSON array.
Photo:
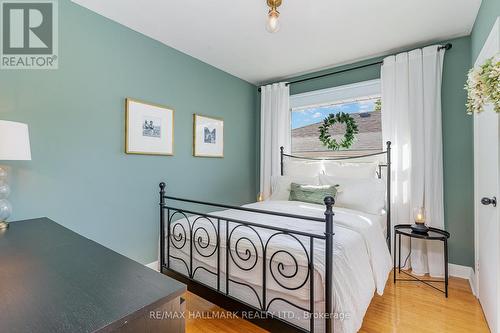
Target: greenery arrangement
[
  {"x": 350, "y": 132},
  {"x": 483, "y": 86},
  {"x": 378, "y": 105}
]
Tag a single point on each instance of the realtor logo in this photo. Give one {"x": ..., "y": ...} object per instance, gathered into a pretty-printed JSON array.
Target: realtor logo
[{"x": 29, "y": 37}]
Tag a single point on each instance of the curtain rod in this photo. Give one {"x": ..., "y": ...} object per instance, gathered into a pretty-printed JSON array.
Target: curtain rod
[{"x": 446, "y": 46}]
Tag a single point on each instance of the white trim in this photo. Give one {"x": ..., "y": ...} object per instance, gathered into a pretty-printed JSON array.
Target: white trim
[
  {"x": 153, "y": 265},
  {"x": 463, "y": 272},
  {"x": 490, "y": 47},
  {"x": 475, "y": 135},
  {"x": 473, "y": 284},
  {"x": 476, "y": 208},
  {"x": 341, "y": 94}
]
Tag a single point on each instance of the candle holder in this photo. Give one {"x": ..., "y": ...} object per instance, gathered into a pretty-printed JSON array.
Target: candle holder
[{"x": 419, "y": 226}]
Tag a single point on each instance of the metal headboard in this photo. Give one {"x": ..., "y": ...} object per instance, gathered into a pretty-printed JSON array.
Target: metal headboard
[{"x": 387, "y": 165}]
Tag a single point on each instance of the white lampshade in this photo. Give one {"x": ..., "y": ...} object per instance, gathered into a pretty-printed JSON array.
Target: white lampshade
[{"x": 14, "y": 141}]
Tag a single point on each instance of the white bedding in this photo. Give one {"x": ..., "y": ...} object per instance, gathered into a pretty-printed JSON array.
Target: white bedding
[{"x": 361, "y": 260}]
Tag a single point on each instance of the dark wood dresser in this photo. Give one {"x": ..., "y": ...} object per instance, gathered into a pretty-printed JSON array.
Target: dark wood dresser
[{"x": 54, "y": 280}]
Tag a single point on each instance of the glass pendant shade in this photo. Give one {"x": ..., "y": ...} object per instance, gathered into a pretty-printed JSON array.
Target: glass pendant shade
[{"x": 273, "y": 23}]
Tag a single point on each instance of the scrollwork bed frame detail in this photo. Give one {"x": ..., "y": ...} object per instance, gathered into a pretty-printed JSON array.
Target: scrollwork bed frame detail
[
  {"x": 387, "y": 165},
  {"x": 179, "y": 236},
  {"x": 175, "y": 235}
]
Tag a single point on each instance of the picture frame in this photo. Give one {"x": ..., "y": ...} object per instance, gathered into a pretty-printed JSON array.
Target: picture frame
[
  {"x": 149, "y": 128},
  {"x": 208, "y": 136}
]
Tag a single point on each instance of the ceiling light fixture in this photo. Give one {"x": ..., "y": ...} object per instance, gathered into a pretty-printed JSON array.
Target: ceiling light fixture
[{"x": 273, "y": 24}]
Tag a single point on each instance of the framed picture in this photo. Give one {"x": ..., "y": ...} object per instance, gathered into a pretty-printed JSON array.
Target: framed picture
[
  {"x": 208, "y": 136},
  {"x": 149, "y": 128}
]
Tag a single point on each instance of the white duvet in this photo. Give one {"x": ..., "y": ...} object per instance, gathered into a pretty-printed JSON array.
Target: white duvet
[{"x": 361, "y": 260}]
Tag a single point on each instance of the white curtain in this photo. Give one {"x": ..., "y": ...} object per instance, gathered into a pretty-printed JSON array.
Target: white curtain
[
  {"x": 274, "y": 132},
  {"x": 411, "y": 119}
]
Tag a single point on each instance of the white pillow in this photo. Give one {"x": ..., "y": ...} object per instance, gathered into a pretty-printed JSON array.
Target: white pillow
[
  {"x": 302, "y": 168},
  {"x": 351, "y": 170},
  {"x": 281, "y": 185},
  {"x": 366, "y": 195}
]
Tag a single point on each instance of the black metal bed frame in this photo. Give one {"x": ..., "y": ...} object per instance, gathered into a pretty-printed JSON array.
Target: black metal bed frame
[{"x": 179, "y": 237}]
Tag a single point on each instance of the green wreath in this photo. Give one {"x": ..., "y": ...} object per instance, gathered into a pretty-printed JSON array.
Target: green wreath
[{"x": 350, "y": 132}]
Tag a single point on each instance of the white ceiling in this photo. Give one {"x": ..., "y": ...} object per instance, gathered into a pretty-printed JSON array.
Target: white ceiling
[{"x": 315, "y": 34}]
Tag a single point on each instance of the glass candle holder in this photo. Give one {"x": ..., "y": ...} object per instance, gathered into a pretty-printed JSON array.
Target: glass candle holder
[{"x": 419, "y": 215}]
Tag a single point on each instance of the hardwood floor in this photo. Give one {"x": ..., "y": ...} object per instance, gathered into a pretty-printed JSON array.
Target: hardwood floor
[
  {"x": 415, "y": 307},
  {"x": 404, "y": 307}
]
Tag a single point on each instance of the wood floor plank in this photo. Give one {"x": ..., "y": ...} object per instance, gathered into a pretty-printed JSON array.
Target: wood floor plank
[
  {"x": 415, "y": 307},
  {"x": 404, "y": 307},
  {"x": 208, "y": 324}
]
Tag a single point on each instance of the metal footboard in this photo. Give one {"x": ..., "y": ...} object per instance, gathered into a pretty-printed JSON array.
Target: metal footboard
[{"x": 227, "y": 243}]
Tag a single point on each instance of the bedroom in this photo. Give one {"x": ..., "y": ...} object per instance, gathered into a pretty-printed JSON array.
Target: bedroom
[{"x": 396, "y": 70}]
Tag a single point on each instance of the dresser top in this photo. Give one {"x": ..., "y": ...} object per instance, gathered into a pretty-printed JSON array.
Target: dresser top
[{"x": 54, "y": 280}]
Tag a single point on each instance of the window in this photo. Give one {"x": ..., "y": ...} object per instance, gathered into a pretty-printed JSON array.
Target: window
[{"x": 360, "y": 100}]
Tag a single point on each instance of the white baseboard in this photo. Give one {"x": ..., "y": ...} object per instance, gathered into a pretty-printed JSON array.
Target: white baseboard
[
  {"x": 153, "y": 265},
  {"x": 473, "y": 283},
  {"x": 463, "y": 272}
]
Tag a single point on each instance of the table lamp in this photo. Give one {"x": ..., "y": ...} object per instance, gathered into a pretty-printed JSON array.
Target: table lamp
[{"x": 14, "y": 146}]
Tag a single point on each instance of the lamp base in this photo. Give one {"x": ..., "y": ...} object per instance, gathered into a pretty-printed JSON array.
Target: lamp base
[
  {"x": 4, "y": 225},
  {"x": 419, "y": 228}
]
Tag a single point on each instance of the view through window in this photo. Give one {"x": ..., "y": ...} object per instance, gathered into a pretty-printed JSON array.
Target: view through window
[{"x": 366, "y": 111}]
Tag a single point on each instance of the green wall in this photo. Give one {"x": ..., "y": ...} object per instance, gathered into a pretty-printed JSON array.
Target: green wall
[
  {"x": 358, "y": 75},
  {"x": 79, "y": 175},
  {"x": 488, "y": 13},
  {"x": 457, "y": 141},
  {"x": 458, "y": 155}
]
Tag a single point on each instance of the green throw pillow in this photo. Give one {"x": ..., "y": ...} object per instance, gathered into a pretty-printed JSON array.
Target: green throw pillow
[{"x": 311, "y": 193}]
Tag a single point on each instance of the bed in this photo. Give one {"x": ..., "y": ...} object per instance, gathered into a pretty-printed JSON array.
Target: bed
[{"x": 313, "y": 267}]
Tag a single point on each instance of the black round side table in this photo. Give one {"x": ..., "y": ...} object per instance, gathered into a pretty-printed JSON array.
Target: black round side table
[{"x": 434, "y": 234}]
